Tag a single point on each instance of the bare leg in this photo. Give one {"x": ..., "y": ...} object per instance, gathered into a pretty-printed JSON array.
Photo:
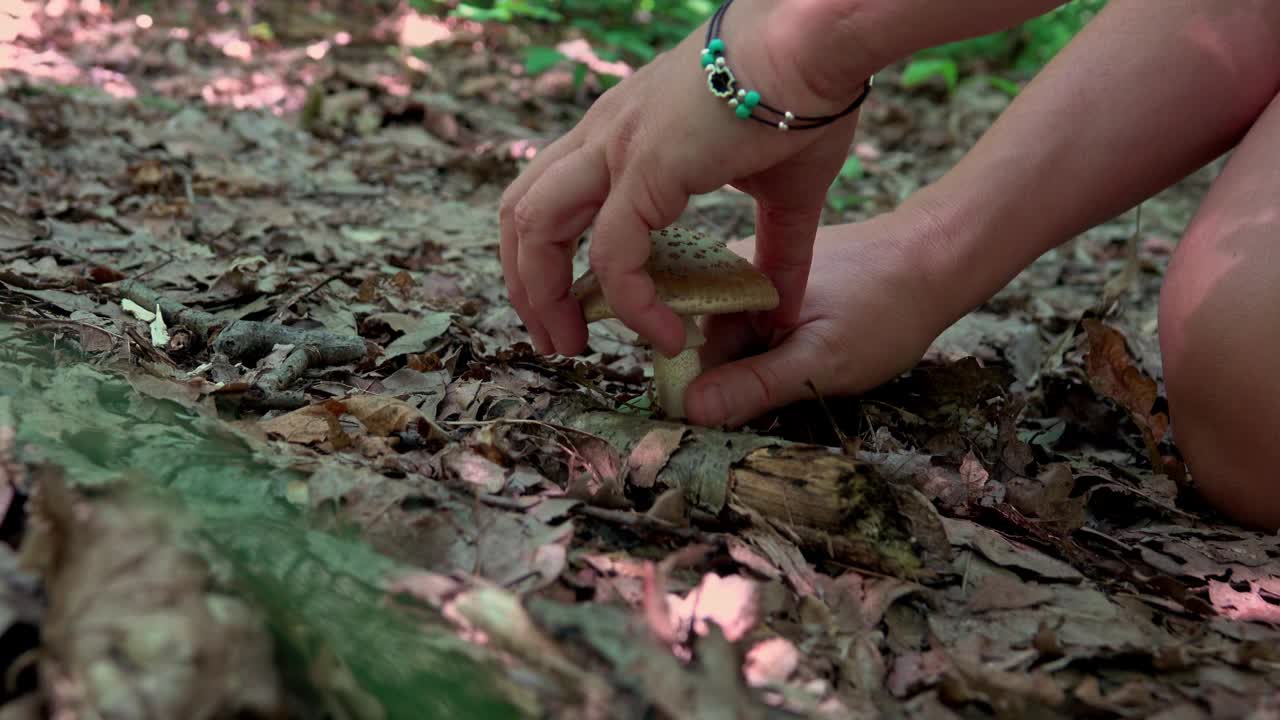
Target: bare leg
[{"x": 1220, "y": 333}]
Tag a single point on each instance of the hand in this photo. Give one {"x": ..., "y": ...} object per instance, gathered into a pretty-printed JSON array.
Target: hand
[
  {"x": 631, "y": 165},
  {"x": 869, "y": 315}
]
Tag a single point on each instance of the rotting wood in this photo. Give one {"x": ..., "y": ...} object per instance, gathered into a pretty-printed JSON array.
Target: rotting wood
[{"x": 834, "y": 506}]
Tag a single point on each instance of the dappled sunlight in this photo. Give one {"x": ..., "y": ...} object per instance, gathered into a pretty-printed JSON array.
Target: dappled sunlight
[
  {"x": 48, "y": 65},
  {"x": 17, "y": 20},
  {"x": 418, "y": 30},
  {"x": 258, "y": 91},
  {"x": 729, "y": 602},
  {"x": 1258, "y": 601},
  {"x": 581, "y": 51},
  {"x": 113, "y": 83}
]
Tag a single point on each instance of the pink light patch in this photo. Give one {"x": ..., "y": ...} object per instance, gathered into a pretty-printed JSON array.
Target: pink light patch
[
  {"x": 771, "y": 662},
  {"x": 730, "y": 602},
  {"x": 418, "y": 30},
  {"x": 1246, "y": 605},
  {"x": 581, "y": 51},
  {"x": 317, "y": 50},
  {"x": 144, "y": 22},
  {"x": 17, "y": 20},
  {"x": 239, "y": 50},
  {"x": 115, "y": 84}
]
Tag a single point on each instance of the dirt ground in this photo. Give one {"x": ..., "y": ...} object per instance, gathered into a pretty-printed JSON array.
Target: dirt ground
[{"x": 364, "y": 463}]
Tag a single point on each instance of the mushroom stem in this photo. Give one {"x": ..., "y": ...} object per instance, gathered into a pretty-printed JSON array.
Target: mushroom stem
[{"x": 672, "y": 376}]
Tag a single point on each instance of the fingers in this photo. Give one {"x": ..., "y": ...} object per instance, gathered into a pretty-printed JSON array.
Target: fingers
[
  {"x": 734, "y": 393},
  {"x": 550, "y": 218},
  {"x": 619, "y": 250},
  {"x": 784, "y": 252},
  {"x": 510, "y": 243}
]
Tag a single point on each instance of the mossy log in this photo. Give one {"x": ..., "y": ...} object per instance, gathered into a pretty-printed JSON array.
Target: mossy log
[{"x": 836, "y": 507}]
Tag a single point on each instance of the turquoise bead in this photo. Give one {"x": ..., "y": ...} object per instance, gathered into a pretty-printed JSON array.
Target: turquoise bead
[
  {"x": 742, "y": 111},
  {"x": 708, "y": 59},
  {"x": 716, "y": 45},
  {"x": 752, "y": 99}
]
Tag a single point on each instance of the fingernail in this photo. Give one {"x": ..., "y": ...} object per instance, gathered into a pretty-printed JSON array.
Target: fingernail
[{"x": 711, "y": 405}]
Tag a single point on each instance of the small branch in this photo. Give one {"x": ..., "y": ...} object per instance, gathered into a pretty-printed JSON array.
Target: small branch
[{"x": 247, "y": 341}]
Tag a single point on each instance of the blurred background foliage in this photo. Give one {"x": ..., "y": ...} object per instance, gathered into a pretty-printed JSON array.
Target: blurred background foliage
[{"x": 637, "y": 30}]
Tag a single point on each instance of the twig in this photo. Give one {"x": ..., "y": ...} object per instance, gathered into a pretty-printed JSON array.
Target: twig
[
  {"x": 633, "y": 520},
  {"x": 278, "y": 315},
  {"x": 247, "y": 341},
  {"x": 644, "y": 522}
]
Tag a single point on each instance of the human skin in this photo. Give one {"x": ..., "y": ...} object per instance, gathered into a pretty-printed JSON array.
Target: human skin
[
  {"x": 1150, "y": 91},
  {"x": 658, "y": 138}
]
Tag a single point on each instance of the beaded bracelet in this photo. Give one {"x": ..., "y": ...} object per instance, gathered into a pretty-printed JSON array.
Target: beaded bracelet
[{"x": 724, "y": 85}]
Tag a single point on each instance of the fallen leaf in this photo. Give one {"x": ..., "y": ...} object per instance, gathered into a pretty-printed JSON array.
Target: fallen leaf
[
  {"x": 476, "y": 469},
  {"x": 1007, "y": 553},
  {"x": 1003, "y": 592},
  {"x": 1114, "y": 374},
  {"x": 416, "y": 340},
  {"x": 650, "y": 455},
  {"x": 311, "y": 425}
]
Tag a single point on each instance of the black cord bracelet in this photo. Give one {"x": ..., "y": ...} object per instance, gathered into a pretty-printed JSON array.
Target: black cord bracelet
[{"x": 724, "y": 85}]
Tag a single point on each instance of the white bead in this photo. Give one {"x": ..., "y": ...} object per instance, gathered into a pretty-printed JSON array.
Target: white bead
[
  {"x": 720, "y": 61},
  {"x": 733, "y": 103},
  {"x": 706, "y": 51},
  {"x": 742, "y": 94},
  {"x": 783, "y": 127},
  {"x": 790, "y": 117}
]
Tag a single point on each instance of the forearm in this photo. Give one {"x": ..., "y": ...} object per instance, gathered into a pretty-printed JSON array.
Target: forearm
[
  {"x": 1149, "y": 92},
  {"x": 841, "y": 42}
]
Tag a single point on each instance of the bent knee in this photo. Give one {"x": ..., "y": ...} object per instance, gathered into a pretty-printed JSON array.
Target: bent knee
[{"x": 1220, "y": 353}]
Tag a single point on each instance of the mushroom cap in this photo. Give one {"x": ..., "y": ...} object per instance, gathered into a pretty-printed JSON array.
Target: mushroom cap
[{"x": 694, "y": 274}]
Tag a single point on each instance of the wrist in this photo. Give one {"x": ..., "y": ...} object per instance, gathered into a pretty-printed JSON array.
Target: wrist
[
  {"x": 784, "y": 51},
  {"x": 826, "y": 42}
]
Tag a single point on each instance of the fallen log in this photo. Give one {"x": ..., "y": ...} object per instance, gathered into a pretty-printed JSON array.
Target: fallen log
[{"x": 837, "y": 508}]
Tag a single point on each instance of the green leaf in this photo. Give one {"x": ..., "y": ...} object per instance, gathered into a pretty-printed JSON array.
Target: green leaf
[
  {"x": 607, "y": 81},
  {"x": 1004, "y": 85},
  {"x": 262, "y": 31},
  {"x": 579, "y": 75},
  {"x": 852, "y": 168},
  {"x": 538, "y": 60},
  {"x": 921, "y": 71}
]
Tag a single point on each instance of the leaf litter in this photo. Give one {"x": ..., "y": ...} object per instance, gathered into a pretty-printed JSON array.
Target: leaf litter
[{"x": 342, "y": 436}]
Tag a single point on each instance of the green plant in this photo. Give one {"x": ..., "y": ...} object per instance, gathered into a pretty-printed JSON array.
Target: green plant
[{"x": 1022, "y": 50}]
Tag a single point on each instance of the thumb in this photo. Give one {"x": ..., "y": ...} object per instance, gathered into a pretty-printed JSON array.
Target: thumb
[{"x": 737, "y": 392}]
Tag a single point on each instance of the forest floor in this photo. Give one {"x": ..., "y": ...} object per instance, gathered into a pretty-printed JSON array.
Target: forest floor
[{"x": 336, "y": 431}]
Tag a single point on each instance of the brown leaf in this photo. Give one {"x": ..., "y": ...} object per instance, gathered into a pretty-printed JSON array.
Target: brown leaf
[
  {"x": 1114, "y": 374},
  {"x": 1048, "y": 499},
  {"x": 311, "y": 425},
  {"x": 595, "y": 473},
  {"x": 476, "y": 469},
  {"x": 650, "y": 455},
  {"x": 380, "y": 414}
]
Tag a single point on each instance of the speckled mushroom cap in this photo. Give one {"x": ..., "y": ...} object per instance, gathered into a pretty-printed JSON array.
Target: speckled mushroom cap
[{"x": 694, "y": 275}]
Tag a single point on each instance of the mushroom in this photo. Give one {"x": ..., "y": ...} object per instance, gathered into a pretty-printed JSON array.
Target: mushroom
[{"x": 694, "y": 275}]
